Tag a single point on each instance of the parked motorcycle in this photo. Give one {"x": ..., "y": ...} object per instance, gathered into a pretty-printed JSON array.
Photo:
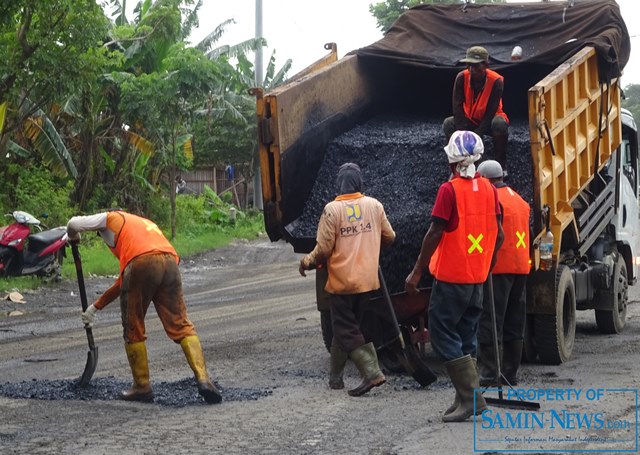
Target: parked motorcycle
[{"x": 23, "y": 253}]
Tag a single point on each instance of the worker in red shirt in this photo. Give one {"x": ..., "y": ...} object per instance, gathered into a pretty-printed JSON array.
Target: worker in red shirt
[
  {"x": 509, "y": 277},
  {"x": 148, "y": 272},
  {"x": 459, "y": 249},
  {"x": 477, "y": 103},
  {"x": 351, "y": 231}
]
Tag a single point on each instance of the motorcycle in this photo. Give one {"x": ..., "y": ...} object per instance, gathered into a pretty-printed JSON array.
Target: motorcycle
[{"x": 23, "y": 253}]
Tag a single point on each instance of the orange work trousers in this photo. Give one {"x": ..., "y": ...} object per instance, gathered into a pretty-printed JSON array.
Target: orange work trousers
[{"x": 153, "y": 278}]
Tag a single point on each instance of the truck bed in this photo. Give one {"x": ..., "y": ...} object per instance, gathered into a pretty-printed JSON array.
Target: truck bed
[{"x": 403, "y": 164}]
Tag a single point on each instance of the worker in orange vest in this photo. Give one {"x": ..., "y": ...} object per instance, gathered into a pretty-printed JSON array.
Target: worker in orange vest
[
  {"x": 477, "y": 102},
  {"x": 509, "y": 277},
  {"x": 459, "y": 249},
  {"x": 148, "y": 272}
]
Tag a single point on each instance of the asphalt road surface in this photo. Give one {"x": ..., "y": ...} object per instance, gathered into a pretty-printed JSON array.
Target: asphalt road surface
[{"x": 259, "y": 327}]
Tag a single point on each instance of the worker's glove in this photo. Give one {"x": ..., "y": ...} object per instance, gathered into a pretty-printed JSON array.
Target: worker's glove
[{"x": 89, "y": 316}]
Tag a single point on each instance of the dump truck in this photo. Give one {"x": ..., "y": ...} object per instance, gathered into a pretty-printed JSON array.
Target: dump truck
[{"x": 579, "y": 161}]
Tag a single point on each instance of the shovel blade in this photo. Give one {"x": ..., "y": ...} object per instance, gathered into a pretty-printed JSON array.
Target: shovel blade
[
  {"x": 419, "y": 369},
  {"x": 412, "y": 362},
  {"x": 89, "y": 368}
]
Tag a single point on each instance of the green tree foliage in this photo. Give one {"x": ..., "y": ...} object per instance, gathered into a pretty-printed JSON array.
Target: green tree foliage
[
  {"x": 163, "y": 103},
  {"x": 48, "y": 50},
  {"x": 123, "y": 102},
  {"x": 388, "y": 11},
  {"x": 631, "y": 100}
]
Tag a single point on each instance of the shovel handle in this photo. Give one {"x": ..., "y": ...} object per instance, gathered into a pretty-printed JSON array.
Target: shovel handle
[
  {"x": 78, "y": 262},
  {"x": 83, "y": 292},
  {"x": 387, "y": 299},
  {"x": 494, "y": 330}
]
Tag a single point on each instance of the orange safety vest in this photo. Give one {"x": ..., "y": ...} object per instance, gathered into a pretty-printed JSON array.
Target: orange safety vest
[
  {"x": 135, "y": 236},
  {"x": 513, "y": 256},
  {"x": 464, "y": 255},
  {"x": 475, "y": 109}
]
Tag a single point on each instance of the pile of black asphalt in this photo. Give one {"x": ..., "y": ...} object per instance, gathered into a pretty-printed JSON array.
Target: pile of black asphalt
[
  {"x": 177, "y": 393},
  {"x": 403, "y": 164}
]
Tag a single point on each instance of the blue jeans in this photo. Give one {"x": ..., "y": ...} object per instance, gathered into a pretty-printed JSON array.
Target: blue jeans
[{"x": 454, "y": 313}]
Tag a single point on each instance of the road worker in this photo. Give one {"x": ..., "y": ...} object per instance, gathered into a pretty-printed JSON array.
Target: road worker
[
  {"x": 351, "y": 231},
  {"x": 477, "y": 102},
  {"x": 458, "y": 249},
  {"x": 148, "y": 273},
  {"x": 509, "y": 277}
]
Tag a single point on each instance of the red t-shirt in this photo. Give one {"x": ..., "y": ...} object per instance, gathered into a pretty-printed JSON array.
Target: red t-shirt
[{"x": 444, "y": 208}]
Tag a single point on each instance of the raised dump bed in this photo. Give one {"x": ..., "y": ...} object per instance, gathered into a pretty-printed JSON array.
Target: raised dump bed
[{"x": 382, "y": 107}]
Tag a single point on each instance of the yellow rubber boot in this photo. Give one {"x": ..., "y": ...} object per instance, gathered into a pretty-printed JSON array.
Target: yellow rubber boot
[
  {"x": 141, "y": 388},
  {"x": 193, "y": 351}
]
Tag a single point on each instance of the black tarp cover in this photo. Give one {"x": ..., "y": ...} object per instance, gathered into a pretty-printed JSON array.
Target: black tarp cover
[{"x": 437, "y": 36}]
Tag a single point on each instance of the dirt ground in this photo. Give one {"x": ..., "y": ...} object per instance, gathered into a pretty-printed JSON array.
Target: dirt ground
[{"x": 259, "y": 327}]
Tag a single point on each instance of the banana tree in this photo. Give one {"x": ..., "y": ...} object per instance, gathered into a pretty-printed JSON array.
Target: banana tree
[{"x": 47, "y": 50}]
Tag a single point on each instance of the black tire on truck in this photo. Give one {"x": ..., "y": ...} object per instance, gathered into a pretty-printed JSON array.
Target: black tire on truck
[
  {"x": 613, "y": 320},
  {"x": 555, "y": 333}
]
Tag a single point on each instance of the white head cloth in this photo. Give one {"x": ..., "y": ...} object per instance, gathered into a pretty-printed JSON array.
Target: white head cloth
[{"x": 465, "y": 148}]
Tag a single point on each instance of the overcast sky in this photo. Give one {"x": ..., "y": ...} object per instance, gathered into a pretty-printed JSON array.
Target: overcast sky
[{"x": 298, "y": 29}]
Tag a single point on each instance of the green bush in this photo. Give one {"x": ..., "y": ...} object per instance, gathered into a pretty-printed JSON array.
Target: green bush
[
  {"x": 159, "y": 210},
  {"x": 36, "y": 191}
]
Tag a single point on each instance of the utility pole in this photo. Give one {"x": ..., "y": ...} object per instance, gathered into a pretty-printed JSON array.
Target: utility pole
[{"x": 257, "y": 178}]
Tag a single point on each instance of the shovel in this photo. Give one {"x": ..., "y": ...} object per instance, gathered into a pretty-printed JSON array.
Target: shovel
[
  {"x": 501, "y": 401},
  {"x": 408, "y": 357},
  {"x": 92, "y": 355}
]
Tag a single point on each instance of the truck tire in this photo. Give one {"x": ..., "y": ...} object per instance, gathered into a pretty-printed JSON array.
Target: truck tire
[
  {"x": 327, "y": 328},
  {"x": 555, "y": 334},
  {"x": 613, "y": 321}
]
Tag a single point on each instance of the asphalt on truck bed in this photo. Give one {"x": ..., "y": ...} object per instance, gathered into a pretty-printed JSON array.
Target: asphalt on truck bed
[{"x": 403, "y": 164}]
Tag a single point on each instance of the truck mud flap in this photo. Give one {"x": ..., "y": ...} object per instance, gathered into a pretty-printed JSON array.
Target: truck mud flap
[{"x": 541, "y": 292}]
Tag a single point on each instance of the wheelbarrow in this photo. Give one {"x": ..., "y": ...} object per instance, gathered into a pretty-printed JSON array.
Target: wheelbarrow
[{"x": 403, "y": 337}]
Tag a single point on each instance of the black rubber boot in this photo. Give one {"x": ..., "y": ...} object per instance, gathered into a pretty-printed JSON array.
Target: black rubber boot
[
  {"x": 366, "y": 361},
  {"x": 512, "y": 356},
  {"x": 487, "y": 365}
]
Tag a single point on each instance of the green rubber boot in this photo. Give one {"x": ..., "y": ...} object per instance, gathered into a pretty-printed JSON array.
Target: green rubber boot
[
  {"x": 336, "y": 367},
  {"x": 464, "y": 376},
  {"x": 366, "y": 361}
]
